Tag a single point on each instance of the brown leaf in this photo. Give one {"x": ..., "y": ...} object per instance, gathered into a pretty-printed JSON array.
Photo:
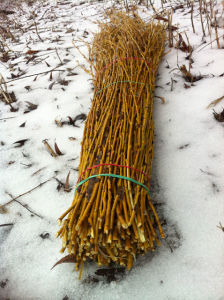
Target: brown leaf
[
  {"x": 30, "y": 52},
  {"x": 28, "y": 88},
  {"x": 79, "y": 117},
  {"x": 188, "y": 76},
  {"x": 67, "y": 259},
  {"x": 165, "y": 20},
  {"x": 20, "y": 143},
  {"x": 57, "y": 149},
  {"x": 219, "y": 117},
  {"x": 70, "y": 120},
  {"x": 3, "y": 209},
  {"x": 51, "y": 77},
  {"x": 30, "y": 107},
  {"x": 182, "y": 45},
  {"x": 64, "y": 82},
  {"x": 23, "y": 124},
  {"x": 67, "y": 183},
  {"x": 51, "y": 85}
]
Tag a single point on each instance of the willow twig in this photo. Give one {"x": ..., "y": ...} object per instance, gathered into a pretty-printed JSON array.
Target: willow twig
[{"x": 112, "y": 218}]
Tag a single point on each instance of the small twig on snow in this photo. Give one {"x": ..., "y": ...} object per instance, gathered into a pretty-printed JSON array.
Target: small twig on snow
[
  {"x": 35, "y": 24},
  {"x": 36, "y": 74},
  {"x": 17, "y": 197},
  {"x": 23, "y": 205},
  {"x": 58, "y": 56},
  {"x": 7, "y": 118},
  {"x": 9, "y": 224}
]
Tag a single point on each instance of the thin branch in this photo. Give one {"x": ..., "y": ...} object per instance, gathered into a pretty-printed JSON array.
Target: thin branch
[
  {"x": 192, "y": 16},
  {"x": 52, "y": 70},
  {"x": 35, "y": 24},
  {"x": 24, "y": 205},
  {"x": 209, "y": 43},
  {"x": 43, "y": 14},
  {"x": 201, "y": 17},
  {"x": 38, "y": 171},
  {"x": 58, "y": 56},
  {"x": 9, "y": 224},
  {"x": 7, "y": 118},
  {"x": 17, "y": 197}
]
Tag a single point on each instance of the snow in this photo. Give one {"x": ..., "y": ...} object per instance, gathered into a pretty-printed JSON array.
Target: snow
[{"x": 188, "y": 176}]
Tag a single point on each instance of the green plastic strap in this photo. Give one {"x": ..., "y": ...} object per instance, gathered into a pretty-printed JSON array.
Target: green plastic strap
[
  {"x": 115, "y": 176},
  {"x": 125, "y": 81}
]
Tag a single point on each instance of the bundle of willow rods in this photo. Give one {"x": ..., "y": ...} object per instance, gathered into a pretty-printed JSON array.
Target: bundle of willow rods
[{"x": 112, "y": 218}]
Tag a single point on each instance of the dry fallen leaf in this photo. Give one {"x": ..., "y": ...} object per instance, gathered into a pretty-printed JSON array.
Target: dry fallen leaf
[
  {"x": 30, "y": 107},
  {"x": 3, "y": 210},
  {"x": 20, "y": 143},
  {"x": 57, "y": 149},
  {"x": 219, "y": 116},
  {"x": 67, "y": 259},
  {"x": 23, "y": 124},
  {"x": 30, "y": 52},
  {"x": 67, "y": 189}
]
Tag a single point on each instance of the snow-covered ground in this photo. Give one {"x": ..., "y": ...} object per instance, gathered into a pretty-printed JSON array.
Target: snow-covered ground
[{"x": 45, "y": 72}]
